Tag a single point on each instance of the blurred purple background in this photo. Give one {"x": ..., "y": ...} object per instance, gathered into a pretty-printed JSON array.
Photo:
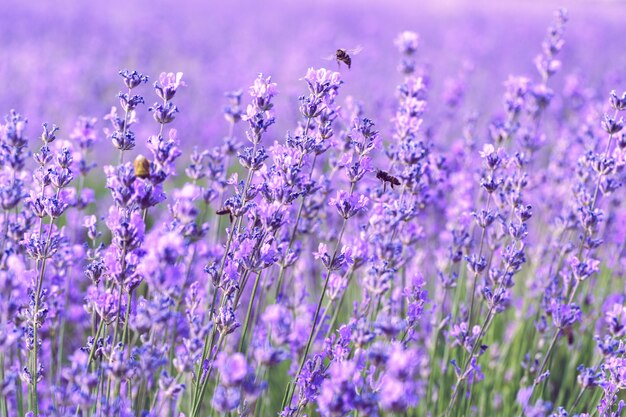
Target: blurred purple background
[{"x": 59, "y": 59}]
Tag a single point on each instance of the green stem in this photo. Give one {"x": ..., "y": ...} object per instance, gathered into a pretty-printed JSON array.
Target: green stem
[
  {"x": 35, "y": 402},
  {"x": 318, "y": 308},
  {"x": 125, "y": 332},
  {"x": 3, "y": 400},
  {"x": 95, "y": 342},
  {"x": 121, "y": 159},
  {"x": 205, "y": 380},
  {"x": 5, "y": 236},
  {"x": 544, "y": 362},
  {"x": 335, "y": 316},
  {"x": 461, "y": 377},
  {"x": 480, "y": 252},
  {"x": 294, "y": 232},
  {"x": 594, "y": 200},
  {"x": 92, "y": 352},
  {"x": 249, "y": 313}
]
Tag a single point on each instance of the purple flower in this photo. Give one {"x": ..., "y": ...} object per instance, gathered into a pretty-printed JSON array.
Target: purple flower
[
  {"x": 263, "y": 88},
  {"x": 615, "y": 319},
  {"x": 311, "y": 379},
  {"x": 338, "y": 394},
  {"x": 618, "y": 103},
  {"x": 588, "y": 377},
  {"x": 226, "y": 399},
  {"x": 349, "y": 205},
  {"x": 278, "y": 319},
  {"x": 133, "y": 79},
  {"x": 164, "y": 113},
  {"x": 407, "y": 42},
  {"x": 612, "y": 125},
  {"x": 323, "y": 83},
  {"x": 233, "y": 368},
  {"x": 168, "y": 84},
  {"x": 564, "y": 316}
]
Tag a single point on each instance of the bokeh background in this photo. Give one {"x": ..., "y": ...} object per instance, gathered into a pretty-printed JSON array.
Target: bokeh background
[{"x": 59, "y": 59}]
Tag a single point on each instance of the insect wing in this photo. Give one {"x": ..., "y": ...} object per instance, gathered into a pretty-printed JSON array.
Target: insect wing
[{"x": 355, "y": 51}]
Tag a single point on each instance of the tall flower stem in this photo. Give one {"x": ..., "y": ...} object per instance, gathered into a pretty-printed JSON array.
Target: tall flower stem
[
  {"x": 462, "y": 376},
  {"x": 34, "y": 371},
  {"x": 542, "y": 367},
  {"x": 249, "y": 313},
  {"x": 294, "y": 232},
  {"x": 233, "y": 230},
  {"x": 317, "y": 309},
  {"x": 203, "y": 384},
  {"x": 592, "y": 207},
  {"x": 121, "y": 158},
  {"x": 5, "y": 236},
  {"x": 333, "y": 320},
  {"x": 574, "y": 290},
  {"x": 3, "y": 401},
  {"x": 475, "y": 280}
]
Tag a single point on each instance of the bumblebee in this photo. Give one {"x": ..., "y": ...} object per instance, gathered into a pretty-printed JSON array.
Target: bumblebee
[
  {"x": 223, "y": 211},
  {"x": 345, "y": 56},
  {"x": 386, "y": 177},
  {"x": 142, "y": 166}
]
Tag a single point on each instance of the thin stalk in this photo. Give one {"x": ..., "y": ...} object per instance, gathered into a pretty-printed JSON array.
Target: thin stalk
[
  {"x": 578, "y": 398},
  {"x": 318, "y": 308},
  {"x": 117, "y": 320},
  {"x": 35, "y": 402},
  {"x": 178, "y": 304},
  {"x": 3, "y": 400},
  {"x": 335, "y": 316},
  {"x": 483, "y": 330},
  {"x": 62, "y": 331},
  {"x": 233, "y": 229},
  {"x": 298, "y": 216},
  {"x": 95, "y": 342},
  {"x": 92, "y": 351},
  {"x": 20, "y": 399},
  {"x": 196, "y": 408},
  {"x": 125, "y": 332},
  {"x": 544, "y": 362},
  {"x": 119, "y": 298},
  {"x": 5, "y": 236},
  {"x": 121, "y": 159},
  {"x": 576, "y": 286},
  {"x": 206, "y": 351},
  {"x": 249, "y": 313},
  {"x": 582, "y": 391},
  {"x": 480, "y": 252}
]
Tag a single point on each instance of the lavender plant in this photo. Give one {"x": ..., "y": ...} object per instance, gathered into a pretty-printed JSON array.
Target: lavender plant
[{"x": 423, "y": 264}]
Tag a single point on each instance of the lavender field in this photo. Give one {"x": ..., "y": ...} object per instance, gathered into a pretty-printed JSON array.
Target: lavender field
[{"x": 351, "y": 208}]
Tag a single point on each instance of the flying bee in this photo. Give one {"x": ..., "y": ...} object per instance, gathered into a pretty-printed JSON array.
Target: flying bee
[
  {"x": 223, "y": 211},
  {"x": 386, "y": 177},
  {"x": 142, "y": 166},
  {"x": 344, "y": 55}
]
